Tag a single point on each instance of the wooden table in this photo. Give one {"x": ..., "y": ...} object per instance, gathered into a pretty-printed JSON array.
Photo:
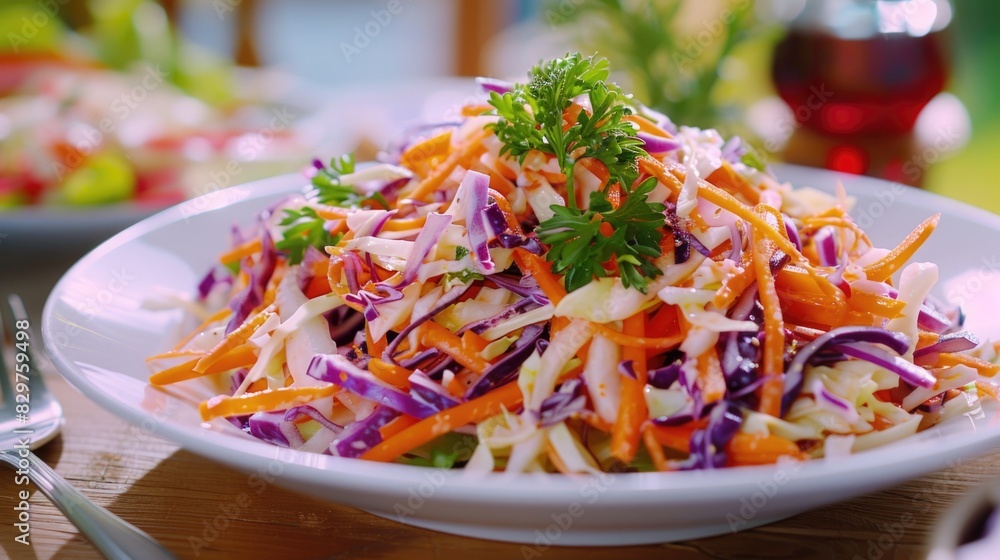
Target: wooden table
[{"x": 174, "y": 495}]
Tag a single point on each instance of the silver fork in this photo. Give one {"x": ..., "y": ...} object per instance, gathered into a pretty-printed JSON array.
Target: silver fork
[{"x": 36, "y": 423}]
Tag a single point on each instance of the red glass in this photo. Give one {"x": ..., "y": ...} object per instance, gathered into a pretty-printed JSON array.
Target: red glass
[{"x": 876, "y": 85}]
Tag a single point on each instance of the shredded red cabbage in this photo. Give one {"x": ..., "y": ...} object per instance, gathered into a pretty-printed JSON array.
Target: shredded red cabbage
[
  {"x": 476, "y": 187},
  {"x": 708, "y": 445},
  {"x": 272, "y": 428},
  {"x": 364, "y": 434},
  {"x": 425, "y": 241},
  {"x": 292, "y": 414},
  {"x": 566, "y": 401},
  {"x": 505, "y": 370},
  {"x": 253, "y": 295},
  {"x": 425, "y": 390},
  {"x": 658, "y": 144},
  {"x": 337, "y": 369},
  {"x": 955, "y": 342}
]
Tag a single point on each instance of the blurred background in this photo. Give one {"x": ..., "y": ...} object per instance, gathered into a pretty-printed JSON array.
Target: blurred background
[{"x": 113, "y": 109}]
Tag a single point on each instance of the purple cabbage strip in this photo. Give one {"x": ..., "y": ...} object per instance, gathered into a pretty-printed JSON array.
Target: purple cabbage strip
[
  {"x": 505, "y": 370},
  {"x": 526, "y": 242},
  {"x": 626, "y": 368},
  {"x": 708, "y": 444},
  {"x": 663, "y": 377},
  {"x": 412, "y": 363},
  {"x": 273, "y": 428},
  {"x": 826, "y": 246},
  {"x": 520, "y": 306},
  {"x": 897, "y": 342},
  {"x": 932, "y": 320},
  {"x": 210, "y": 281},
  {"x": 425, "y": 390},
  {"x": 736, "y": 238},
  {"x": 337, "y": 369},
  {"x": 293, "y": 414},
  {"x": 955, "y": 342},
  {"x": 352, "y": 268},
  {"x": 907, "y": 371},
  {"x": 566, "y": 401},
  {"x": 446, "y": 300},
  {"x": 493, "y": 85},
  {"x": 477, "y": 191},
  {"x": 495, "y": 219},
  {"x": 658, "y": 144},
  {"x": 518, "y": 286},
  {"x": 253, "y": 295},
  {"x": 792, "y": 231},
  {"x": 370, "y": 301},
  {"x": 362, "y": 435},
  {"x": 425, "y": 241},
  {"x": 821, "y": 393}
]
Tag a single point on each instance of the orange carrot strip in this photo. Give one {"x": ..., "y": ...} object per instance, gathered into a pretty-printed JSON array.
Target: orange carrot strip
[
  {"x": 875, "y": 304},
  {"x": 926, "y": 338},
  {"x": 419, "y": 156},
  {"x": 727, "y": 179},
  {"x": 648, "y": 126},
  {"x": 236, "y": 358},
  {"x": 710, "y": 377},
  {"x": 214, "y": 317},
  {"x": 676, "y": 437},
  {"x": 632, "y": 411},
  {"x": 896, "y": 258},
  {"x": 756, "y": 449},
  {"x": 236, "y": 338},
  {"x": 473, "y": 343},
  {"x": 654, "y": 449},
  {"x": 630, "y": 341},
  {"x": 507, "y": 397},
  {"x": 375, "y": 347},
  {"x": 476, "y": 110},
  {"x": 433, "y": 181},
  {"x": 436, "y": 336},
  {"x": 772, "y": 364},
  {"x": 239, "y": 252},
  {"x": 396, "y": 426},
  {"x": 946, "y": 359},
  {"x": 988, "y": 388},
  {"x": 405, "y": 224},
  {"x": 734, "y": 285},
  {"x": 264, "y": 401},
  {"x": 541, "y": 270},
  {"x": 175, "y": 354},
  {"x": 390, "y": 373}
]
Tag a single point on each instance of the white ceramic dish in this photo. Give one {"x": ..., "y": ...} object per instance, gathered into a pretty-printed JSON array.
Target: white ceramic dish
[{"x": 98, "y": 334}]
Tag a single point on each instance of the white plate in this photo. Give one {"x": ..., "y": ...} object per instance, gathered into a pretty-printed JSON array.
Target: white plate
[{"x": 99, "y": 334}]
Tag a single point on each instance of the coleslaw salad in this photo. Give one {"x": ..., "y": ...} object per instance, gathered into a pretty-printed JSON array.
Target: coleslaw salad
[{"x": 566, "y": 281}]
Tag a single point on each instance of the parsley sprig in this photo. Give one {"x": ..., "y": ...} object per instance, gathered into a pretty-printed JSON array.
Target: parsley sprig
[
  {"x": 305, "y": 229},
  {"x": 531, "y": 118},
  {"x": 330, "y": 190},
  {"x": 579, "y": 249}
]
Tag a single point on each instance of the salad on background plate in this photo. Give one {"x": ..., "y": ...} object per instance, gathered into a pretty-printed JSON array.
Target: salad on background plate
[{"x": 566, "y": 281}]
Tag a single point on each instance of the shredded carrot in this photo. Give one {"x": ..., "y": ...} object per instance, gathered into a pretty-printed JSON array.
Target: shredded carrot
[
  {"x": 476, "y": 110},
  {"x": 676, "y": 437},
  {"x": 947, "y": 359},
  {"x": 390, "y": 373},
  {"x": 396, "y": 425},
  {"x": 630, "y": 341},
  {"x": 896, "y": 258},
  {"x": 237, "y": 337},
  {"x": 875, "y": 304},
  {"x": 756, "y": 449},
  {"x": 422, "y": 156},
  {"x": 632, "y": 410},
  {"x": 988, "y": 388},
  {"x": 264, "y": 401},
  {"x": 473, "y": 343},
  {"x": 238, "y": 253},
  {"x": 405, "y": 224},
  {"x": 541, "y": 270},
  {"x": 175, "y": 354},
  {"x": 447, "y": 166},
  {"x": 647, "y": 126},
  {"x": 710, "y": 378},
  {"x": 375, "y": 347},
  {"x": 725, "y": 178},
  {"x": 242, "y": 356},
  {"x": 436, "y": 336},
  {"x": 773, "y": 361},
  {"x": 507, "y": 397},
  {"x": 926, "y": 338},
  {"x": 734, "y": 285},
  {"x": 654, "y": 449},
  {"x": 596, "y": 167}
]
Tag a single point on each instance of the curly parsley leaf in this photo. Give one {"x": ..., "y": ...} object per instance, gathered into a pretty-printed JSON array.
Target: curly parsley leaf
[
  {"x": 305, "y": 229},
  {"x": 330, "y": 190},
  {"x": 579, "y": 250},
  {"x": 532, "y": 118}
]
